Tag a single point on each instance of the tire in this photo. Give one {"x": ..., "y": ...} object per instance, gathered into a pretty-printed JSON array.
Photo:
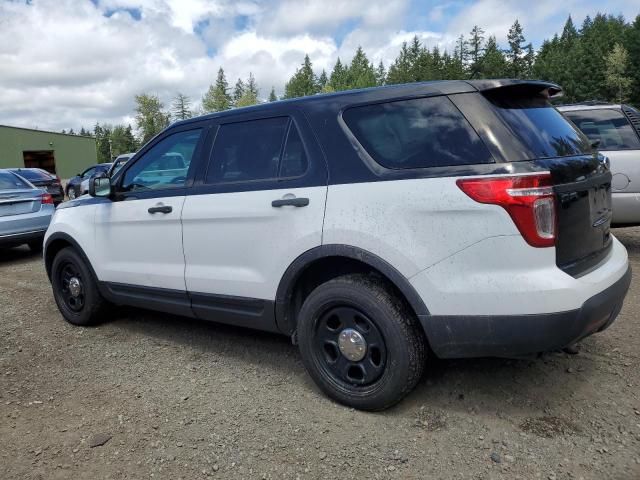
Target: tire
[
  {"x": 36, "y": 245},
  {"x": 88, "y": 307},
  {"x": 395, "y": 351}
]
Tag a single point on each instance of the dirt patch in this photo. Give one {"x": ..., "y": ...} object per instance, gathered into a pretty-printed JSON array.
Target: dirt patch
[{"x": 549, "y": 427}]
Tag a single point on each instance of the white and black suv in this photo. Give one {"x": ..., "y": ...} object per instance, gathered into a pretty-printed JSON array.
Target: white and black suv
[{"x": 372, "y": 226}]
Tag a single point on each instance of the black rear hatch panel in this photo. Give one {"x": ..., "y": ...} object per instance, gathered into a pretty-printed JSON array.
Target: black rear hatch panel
[{"x": 583, "y": 187}]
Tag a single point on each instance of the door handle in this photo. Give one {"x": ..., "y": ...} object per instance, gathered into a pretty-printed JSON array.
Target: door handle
[
  {"x": 294, "y": 202},
  {"x": 161, "y": 209}
]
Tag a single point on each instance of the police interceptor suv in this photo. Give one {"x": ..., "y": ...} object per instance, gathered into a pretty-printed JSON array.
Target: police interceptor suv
[{"x": 373, "y": 226}]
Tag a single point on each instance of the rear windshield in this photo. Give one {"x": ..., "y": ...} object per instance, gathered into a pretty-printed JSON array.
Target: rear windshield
[
  {"x": 9, "y": 181},
  {"x": 539, "y": 126},
  {"x": 610, "y": 127},
  {"x": 417, "y": 133},
  {"x": 34, "y": 175}
]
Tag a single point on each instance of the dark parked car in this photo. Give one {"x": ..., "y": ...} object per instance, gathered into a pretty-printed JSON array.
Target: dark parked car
[
  {"x": 79, "y": 185},
  {"x": 44, "y": 180}
]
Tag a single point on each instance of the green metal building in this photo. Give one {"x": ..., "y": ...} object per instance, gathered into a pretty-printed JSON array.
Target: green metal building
[{"x": 59, "y": 153}]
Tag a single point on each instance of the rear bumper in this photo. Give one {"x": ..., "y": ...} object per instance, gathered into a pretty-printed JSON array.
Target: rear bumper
[
  {"x": 452, "y": 336},
  {"x": 626, "y": 208},
  {"x": 17, "y": 229},
  {"x": 20, "y": 238}
]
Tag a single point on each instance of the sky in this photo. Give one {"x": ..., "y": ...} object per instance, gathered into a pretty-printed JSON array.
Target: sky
[{"x": 71, "y": 63}]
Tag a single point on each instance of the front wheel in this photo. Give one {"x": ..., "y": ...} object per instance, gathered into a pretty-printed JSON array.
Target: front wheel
[
  {"x": 75, "y": 290},
  {"x": 360, "y": 343}
]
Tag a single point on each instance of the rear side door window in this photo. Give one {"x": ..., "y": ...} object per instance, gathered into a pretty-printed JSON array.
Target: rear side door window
[
  {"x": 416, "y": 133},
  {"x": 256, "y": 150},
  {"x": 608, "y": 126}
]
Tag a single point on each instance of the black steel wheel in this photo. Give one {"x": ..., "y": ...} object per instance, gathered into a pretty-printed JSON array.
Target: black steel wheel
[
  {"x": 350, "y": 346},
  {"x": 360, "y": 343},
  {"x": 75, "y": 289},
  {"x": 72, "y": 290}
]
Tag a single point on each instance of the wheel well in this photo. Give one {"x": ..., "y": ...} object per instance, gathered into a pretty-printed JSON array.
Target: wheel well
[
  {"x": 322, "y": 270},
  {"x": 52, "y": 250}
]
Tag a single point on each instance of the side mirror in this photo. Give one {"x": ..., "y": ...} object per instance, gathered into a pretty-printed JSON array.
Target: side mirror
[{"x": 100, "y": 187}]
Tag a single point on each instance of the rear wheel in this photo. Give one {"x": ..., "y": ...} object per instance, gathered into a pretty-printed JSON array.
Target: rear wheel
[
  {"x": 75, "y": 290},
  {"x": 360, "y": 343}
]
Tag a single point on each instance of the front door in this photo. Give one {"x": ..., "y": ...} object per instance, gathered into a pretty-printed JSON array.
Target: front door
[
  {"x": 139, "y": 233},
  {"x": 256, "y": 208}
]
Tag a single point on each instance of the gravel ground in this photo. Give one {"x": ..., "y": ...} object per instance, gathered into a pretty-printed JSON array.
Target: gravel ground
[{"x": 153, "y": 396}]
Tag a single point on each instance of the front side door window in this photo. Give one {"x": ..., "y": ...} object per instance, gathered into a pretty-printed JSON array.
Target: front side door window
[{"x": 166, "y": 165}]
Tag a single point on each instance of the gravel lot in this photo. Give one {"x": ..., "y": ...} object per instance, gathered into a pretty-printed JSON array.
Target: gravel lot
[{"x": 173, "y": 398}]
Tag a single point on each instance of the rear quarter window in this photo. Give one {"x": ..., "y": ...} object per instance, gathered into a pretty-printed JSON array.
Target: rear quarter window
[
  {"x": 608, "y": 126},
  {"x": 416, "y": 133},
  {"x": 542, "y": 129}
]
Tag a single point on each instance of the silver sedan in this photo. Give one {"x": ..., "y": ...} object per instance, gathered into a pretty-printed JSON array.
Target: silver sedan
[{"x": 25, "y": 212}]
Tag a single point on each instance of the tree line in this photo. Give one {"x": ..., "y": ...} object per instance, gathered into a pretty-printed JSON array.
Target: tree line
[{"x": 599, "y": 60}]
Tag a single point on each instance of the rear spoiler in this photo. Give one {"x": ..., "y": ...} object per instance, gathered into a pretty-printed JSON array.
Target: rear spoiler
[{"x": 550, "y": 90}]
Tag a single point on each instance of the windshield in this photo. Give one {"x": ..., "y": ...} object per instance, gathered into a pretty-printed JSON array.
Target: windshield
[
  {"x": 539, "y": 126},
  {"x": 9, "y": 181}
]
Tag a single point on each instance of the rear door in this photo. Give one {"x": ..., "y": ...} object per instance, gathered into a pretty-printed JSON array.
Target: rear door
[{"x": 256, "y": 206}]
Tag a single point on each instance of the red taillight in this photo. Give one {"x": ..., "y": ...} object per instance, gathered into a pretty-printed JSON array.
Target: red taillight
[
  {"x": 529, "y": 200},
  {"x": 46, "y": 198}
]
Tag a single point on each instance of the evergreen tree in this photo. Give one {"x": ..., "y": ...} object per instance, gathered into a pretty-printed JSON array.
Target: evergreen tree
[
  {"x": 515, "y": 54},
  {"x": 492, "y": 63},
  {"x": 252, "y": 86},
  {"x": 102, "y": 134},
  {"x": 217, "y": 97},
  {"x": 238, "y": 91},
  {"x": 272, "y": 95},
  {"x": 250, "y": 93},
  {"x": 338, "y": 80},
  {"x": 475, "y": 46},
  {"x": 323, "y": 80},
  {"x": 150, "y": 116},
  {"x": 461, "y": 53},
  {"x": 71, "y": 132},
  {"x": 361, "y": 73},
  {"x": 400, "y": 69},
  {"x": 381, "y": 74},
  {"x": 529, "y": 59},
  {"x": 303, "y": 82},
  {"x": 181, "y": 107}
]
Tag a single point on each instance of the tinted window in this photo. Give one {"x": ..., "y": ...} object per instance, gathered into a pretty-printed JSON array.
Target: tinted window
[
  {"x": 611, "y": 127},
  {"x": 9, "y": 181},
  {"x": 294, "y": 159},
  {"x": 539, "y": 126},
  {"x": 165, "y": 165},
  {"x": 246, "y": 151},
  {"x": 425, "y": 132}
]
